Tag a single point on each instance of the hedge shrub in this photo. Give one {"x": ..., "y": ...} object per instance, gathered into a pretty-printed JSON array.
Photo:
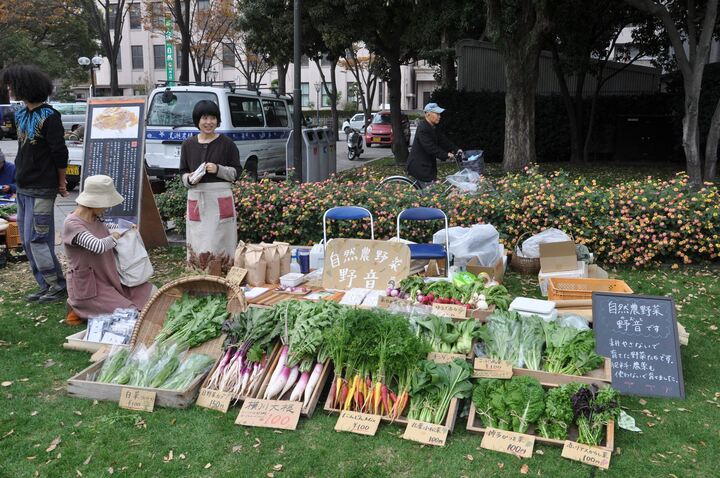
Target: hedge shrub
[{"x": 638, "y": 223}]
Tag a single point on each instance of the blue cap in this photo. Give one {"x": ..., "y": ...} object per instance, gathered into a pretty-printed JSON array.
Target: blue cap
[{"x": 433, "y": 108}]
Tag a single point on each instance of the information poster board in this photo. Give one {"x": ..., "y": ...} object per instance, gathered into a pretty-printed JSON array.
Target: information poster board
[
  {"x": 639, "y": 334},
  {"x": 114, "y": 144},
  {"x": 353, "y": 263}
]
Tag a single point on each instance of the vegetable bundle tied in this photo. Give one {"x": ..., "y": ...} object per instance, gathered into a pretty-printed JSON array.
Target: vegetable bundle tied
[
  {"x": 514, "y": 404},
  {"x": 435, "y": 385},
  {"x": 192, "y": 321}
]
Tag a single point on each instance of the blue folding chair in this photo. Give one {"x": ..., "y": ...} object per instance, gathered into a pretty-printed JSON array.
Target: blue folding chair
[
  {"x": 347, "y": 213},
  {"x": 427, "y": 251}
]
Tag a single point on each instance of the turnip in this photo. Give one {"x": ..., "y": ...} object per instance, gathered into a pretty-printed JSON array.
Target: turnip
[
  {"x": 294, "y": 373},
  {"x": 389, "y": 290},
  {"x": 297, "y": 392},
  {"x": 394, "y": 293},
  {"x": 420, "y": 297},
  {"x": 312, "y": 383}
]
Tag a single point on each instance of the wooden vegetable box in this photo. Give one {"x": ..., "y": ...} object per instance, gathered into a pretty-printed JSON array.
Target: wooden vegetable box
[
  {"x": 475, "y": 425},
  {"x": 151, "y": 320},
  {"x": 600, "y": 377},
  {"x": 77, "y": 341}
]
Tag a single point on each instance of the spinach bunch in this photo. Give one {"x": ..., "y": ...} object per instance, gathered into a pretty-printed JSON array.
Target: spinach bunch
[{"x": 513, "y": 404}]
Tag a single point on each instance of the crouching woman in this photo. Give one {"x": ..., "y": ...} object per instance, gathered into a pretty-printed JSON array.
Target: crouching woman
[{"x": 94, "y": 285}]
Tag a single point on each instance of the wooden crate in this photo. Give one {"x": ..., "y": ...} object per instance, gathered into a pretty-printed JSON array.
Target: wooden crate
[
  {"x": 481, "y": 315},
  {"x": 151, "y": 319},
  {"x": 452, "y": 413},
  {"x": 254, "y": 391},
  {"x": 12, "y": 236},
  {"x": 310, "y": 408},
  {"x": 600, "y": 377},
  {"x": 77, "y": 341},
  {"x": 475, "y": 425}
]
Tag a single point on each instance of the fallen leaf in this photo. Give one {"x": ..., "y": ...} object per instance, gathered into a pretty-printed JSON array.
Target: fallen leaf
[
  {"x": 172, "y": 422},
  {"x": 78, "y": 413},
  {"x": 53, "y": 444},
  {"x": 270, "y": 475},
  {"x": 257, "y": 443},
  {"x": 650, "y": 424},
  {"x": 33, "y": 413},
  {"x": 6, "y": 383},
  {"x": 524, "y": 469},
  {"x": 277, "y": 431},
  {"x": 277, "y": 467},
  {"x": 281, "y": 450},
  {"x": 182, "y": 456},
  {"x": 642, "y": 401},
  {"x": 95, "y": 402},
  {"x": 24, "y": 379},
  {"x": 469, "y": 457},
  {"x": 208, "y": 466},
  {"x": 501, "y": 465},
  {"x": 87, "y": 460},
  {"x": 30, "y": 457},
  {"x": 9, "y": 433},
  {"x": 168, "y": 457},
  {"x": 110, "y": 470},
  {"x": 713, "y": 327},
  {"x": 78, "y": 472},
  {"x": 539, "y": 452},
  {"x": 683, "y": 410},
  {"x": 49, "y": 363},
  {"x": 237, "y": 448}
]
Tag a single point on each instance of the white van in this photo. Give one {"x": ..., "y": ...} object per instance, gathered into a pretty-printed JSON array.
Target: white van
[
  {"x": 72, "y": 114},
  {"x": 260, "y": 125}
]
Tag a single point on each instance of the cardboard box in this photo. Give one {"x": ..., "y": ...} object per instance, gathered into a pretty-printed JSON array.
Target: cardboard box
[
  {"x": 580, "y": 272},
  {"x": 558, "y": 256},
  {"x": 496, "y": 272}
]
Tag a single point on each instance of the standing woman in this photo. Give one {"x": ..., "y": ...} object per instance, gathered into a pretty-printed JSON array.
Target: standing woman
[
  {"x": 39, "y": 175},
  {"x": 211, "y": 226}
]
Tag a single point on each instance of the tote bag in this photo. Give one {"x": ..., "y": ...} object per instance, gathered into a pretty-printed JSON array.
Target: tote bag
[{"x": 132, "y": 259}]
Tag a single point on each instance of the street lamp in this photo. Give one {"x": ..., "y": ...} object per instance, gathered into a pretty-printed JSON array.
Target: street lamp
[
  {"x": 213, "y": 75},
  {"x": 94, "y": 64},
  {"x": 317, "y": 90}
]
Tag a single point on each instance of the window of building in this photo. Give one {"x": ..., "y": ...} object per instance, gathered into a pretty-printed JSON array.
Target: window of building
[
  {"x": 157, "y": 15},
  {"x": 325, "y": 98},
  {"x": 136, "y": 52},
  {"x": 352, "y": 93},
  {"x": 119, "y": 58},
  {"x": 305, "y": 95},
  {"x": 304, "y": 61},
  {"x": 178, "y": 60},
  {"x": 276, "y": 114},
  {"x": 135, "y": 16},
  {"x": 112, "y": 16},
  {"x": 159, "y": 57},
  {"x": 228, "y": 56},
  {"x": 245, "y": 112}
]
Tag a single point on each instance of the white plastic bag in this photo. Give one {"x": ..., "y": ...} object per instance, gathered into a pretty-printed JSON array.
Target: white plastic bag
[
  {"x": 531, "y": 247},
  {"x": 465, "y": 180},
  {"x": 480, "y": 240}
]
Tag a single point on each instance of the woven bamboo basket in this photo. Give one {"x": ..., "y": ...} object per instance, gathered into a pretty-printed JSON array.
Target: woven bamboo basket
[
  {"x": 154, "y": 313},
  {"x": 522, "y": 264}
]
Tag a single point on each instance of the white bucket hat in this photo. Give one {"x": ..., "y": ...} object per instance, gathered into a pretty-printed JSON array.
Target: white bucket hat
[{"x": 99, "y": 191}]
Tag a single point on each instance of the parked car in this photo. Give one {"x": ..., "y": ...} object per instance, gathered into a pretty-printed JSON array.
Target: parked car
[
  {"x": 358, "y": 122},
  {"x": 379, "y": 131},
  {"x": 72, "y": 114},
  {"x": 7, "y": 122}
]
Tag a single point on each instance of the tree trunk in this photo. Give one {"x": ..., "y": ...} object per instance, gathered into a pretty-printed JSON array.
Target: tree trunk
[
  {"x": 690, "y": 130},
  {"x": 399, "y": 146},
  {"x": 333, "y": 97},
  {"x": 447, "y": 66},
  {"x": 114, "y": 83},
  {"x": 579, "y": 114},
  {"x": 282, "y": 80},
  {"x": 569, "y": 107},
  {"x": 711, "y": 147},
  {"x": 521, "y": 85}
]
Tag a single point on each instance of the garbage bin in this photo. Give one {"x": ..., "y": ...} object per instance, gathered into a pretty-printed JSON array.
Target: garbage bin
[
  {"x": 310, "y": 155},
  {"x": 323, "y": 149}
]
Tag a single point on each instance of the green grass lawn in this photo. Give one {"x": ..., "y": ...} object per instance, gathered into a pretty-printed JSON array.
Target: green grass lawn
[{"x": 680, "y": 438}]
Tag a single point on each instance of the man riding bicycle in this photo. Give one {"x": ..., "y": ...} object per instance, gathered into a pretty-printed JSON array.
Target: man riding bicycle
[{"x": 429, "y": 143}]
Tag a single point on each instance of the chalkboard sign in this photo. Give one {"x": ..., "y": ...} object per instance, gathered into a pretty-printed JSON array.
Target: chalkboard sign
[
  {"x": 639, "y": 334},
  {"x": 114, "y": 138}
]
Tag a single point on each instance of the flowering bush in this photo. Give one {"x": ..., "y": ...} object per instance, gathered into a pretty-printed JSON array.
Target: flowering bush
[{"x": 637, "y": 223}]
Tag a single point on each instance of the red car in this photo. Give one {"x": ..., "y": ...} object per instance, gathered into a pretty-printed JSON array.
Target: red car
[{"x": 379, "y": 131}]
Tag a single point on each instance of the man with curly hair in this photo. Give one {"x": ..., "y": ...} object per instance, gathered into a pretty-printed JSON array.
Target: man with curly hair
[{"x": 39, "y": 175}]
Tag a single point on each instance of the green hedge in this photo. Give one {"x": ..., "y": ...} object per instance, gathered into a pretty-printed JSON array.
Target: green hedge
[
  {"x": 639, "y": 222},
  {"x": 477, "y": 120}
]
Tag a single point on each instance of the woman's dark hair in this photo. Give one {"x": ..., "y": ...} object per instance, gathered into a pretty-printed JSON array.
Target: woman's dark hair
[
  {"x": 27, "y": 83},
  {"x": 205, "y": 108}
]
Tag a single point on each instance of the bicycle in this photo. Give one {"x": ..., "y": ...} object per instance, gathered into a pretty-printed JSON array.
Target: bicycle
[{"x": 472, "y": 160}]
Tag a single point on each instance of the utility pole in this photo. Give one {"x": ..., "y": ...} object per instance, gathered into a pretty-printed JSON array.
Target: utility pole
[{"x": 297, "y": 95}]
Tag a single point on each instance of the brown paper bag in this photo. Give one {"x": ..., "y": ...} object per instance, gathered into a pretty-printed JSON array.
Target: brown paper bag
[
  {"x": 272, "y": 263},
  {"x": 285, "y": 254},
  {"x": 240, "y": 255},
  {"x": 255, "y": 265}
]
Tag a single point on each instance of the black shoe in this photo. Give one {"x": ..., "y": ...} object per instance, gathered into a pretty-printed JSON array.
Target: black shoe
[
  {"x": 53, "y": 294},
  {"x": 35, "y": 296}
]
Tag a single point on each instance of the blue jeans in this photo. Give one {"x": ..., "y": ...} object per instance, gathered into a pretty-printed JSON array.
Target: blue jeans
[{"x": 36, "y": 221}]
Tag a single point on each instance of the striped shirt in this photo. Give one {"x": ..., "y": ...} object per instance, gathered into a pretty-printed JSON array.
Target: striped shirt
[{"x": 93, "y": 244}]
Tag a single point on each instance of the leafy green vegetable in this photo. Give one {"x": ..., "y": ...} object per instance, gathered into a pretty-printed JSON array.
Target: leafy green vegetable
[
  {"x": 558, "y": 415},
  {"x": 445, "y": 335},
  {"x": 488, "y": 398},
  {"x": 192, "y": 321},
  {"x": 593, "y": 409},
  {"x": 193, "y": 367},
  {"x": 501, "y": 336},
  {"x": 569, "y": 350},
  {"x": 113, "y": 364},
  {"x": 525, "y": 398},
  {"x": 532, "y": 341},
  {"x": 435, "y": 385}
]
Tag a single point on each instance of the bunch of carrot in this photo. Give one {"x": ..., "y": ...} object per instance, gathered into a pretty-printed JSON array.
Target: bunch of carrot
[{"x": 374, "y": 354}]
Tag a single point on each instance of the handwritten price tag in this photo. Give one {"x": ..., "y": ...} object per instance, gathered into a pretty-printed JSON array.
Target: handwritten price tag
[
  {"x": 236, "y": 275},
  {"x": 384, "y": 302},
  {"x": 134, "y": 399},
  {"x": 590, "y": 455},
  {"x": 517, "y": 444},
  {"x": 438, "y": 357},
  {"x": 282, "y": 414},
  {"x": 214, "y": 400},
  {"x": 452, "y": 311},
  {"x": 427, "y": 433},
  {"x": 360, "y": 423},
  {"x": 492, "y": 368}
]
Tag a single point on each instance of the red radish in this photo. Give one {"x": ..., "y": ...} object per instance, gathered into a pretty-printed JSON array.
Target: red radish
[
  {"x": 294, "y": 373},
  {"x": 276, "y": 386},
  {"x": 312, "y": 383},
  {"x": 333, "y": 390},
  {"x": 297, "y": 392},
  {"x": 343, "y": 394},
  {"x": 384, "y": 396},
  {"x": 281, "y": 362}
]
